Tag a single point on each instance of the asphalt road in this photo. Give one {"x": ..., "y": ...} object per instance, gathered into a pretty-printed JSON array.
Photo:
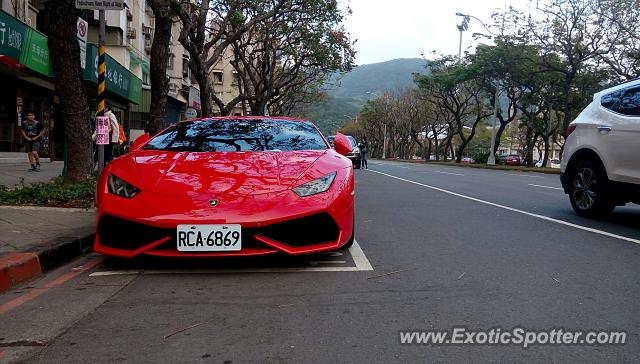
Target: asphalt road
[{"x": 449, "y": 247}]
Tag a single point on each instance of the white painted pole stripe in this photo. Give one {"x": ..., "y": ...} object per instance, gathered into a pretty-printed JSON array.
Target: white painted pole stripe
[
  {"x": 591, "y": 230},
  {"x": 554, "y": 188}
]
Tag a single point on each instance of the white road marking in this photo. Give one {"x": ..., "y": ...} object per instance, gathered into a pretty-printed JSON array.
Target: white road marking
[
  {"x": 542, "y": 217},
  {"x": 523, "y": 175},
  {"x": 541, "y": 186},
  {"x": 361, "y": 261},
  {"x": 455, "y": 174}
]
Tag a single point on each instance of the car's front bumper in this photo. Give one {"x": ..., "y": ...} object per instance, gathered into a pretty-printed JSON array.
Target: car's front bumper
[{"x": 271, "y": 222}]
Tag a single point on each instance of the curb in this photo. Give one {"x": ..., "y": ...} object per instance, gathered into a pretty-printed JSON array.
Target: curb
[{"x": 16, "y": 268}]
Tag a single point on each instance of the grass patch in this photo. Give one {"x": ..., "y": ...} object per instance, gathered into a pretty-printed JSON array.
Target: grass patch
[{"x": 53, "y": 193}]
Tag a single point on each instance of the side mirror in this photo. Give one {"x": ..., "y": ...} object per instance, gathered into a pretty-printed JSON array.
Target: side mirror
[
  {"x": 139, "y": 142},
  {"x": 342, "y": 144}
]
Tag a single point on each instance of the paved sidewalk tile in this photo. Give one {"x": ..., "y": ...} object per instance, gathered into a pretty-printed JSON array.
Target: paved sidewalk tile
[
  {"x": 24, "y": 228},
  {"x": 19, "y": 174}
]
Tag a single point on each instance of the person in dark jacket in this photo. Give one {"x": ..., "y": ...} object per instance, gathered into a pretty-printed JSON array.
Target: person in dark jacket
[{"x": 364, "y": 148}]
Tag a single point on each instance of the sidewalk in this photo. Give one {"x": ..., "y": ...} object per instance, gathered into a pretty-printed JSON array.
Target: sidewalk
[
  {"x": 17, "y": 158},
  {"x": 16, "y": 174},
  {"x": 36, "y": 239}
]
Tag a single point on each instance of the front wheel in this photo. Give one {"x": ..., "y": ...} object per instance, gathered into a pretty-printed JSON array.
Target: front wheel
[{"x": 589, "y": 191}]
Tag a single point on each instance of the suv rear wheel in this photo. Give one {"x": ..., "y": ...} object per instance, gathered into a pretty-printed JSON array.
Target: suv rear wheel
[{"x": 589, "y": 190}]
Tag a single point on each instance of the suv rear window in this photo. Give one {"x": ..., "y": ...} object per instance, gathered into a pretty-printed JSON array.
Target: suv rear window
[
  {"x": 238, "y": 135},
  {"x": 625, "y": 102}
]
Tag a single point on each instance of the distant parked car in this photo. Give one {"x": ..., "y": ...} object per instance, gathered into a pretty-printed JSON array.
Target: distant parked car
[
  {"x": 355, "y": 152},
  {"x": 467, "y": 160},
  {"x": 555, "y": 163},
  {"x": 513, "y": 160}
]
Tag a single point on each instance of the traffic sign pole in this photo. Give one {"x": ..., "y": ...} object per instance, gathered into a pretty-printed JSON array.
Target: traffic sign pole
[{"x": 101, "y": 82}]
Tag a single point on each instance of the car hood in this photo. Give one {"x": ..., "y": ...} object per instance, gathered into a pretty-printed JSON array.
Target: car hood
[{"x": 235, "y": 173}]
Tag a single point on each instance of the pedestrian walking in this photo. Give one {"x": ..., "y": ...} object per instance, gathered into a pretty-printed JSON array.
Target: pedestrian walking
[
  {"x": 32, "y": 131},
  {"x": 364, "y": 148}
]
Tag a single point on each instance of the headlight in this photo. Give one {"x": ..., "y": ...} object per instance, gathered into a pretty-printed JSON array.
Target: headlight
[
  {"x": 122, "y": 188},
  {"x": 316, "y": 186}
]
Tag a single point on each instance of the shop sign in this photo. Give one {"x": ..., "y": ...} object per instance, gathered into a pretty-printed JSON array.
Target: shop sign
[
  {"x": 119, "y": 80},
  {"x": 24, "y": 44}
]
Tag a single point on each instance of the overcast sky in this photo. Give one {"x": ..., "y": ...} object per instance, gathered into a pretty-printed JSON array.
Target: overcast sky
[{"x": 392, "y": 29}]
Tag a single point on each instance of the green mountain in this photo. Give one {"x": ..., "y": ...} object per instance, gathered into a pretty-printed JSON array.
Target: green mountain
[{"x": 348, "y": 93}]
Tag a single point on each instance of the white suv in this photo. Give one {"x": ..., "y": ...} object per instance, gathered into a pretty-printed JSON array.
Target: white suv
[{"x": 601, "y": 161}]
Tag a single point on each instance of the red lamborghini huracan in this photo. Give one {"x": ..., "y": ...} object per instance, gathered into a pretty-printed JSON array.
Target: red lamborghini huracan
[{"x": 228, "y": 186}]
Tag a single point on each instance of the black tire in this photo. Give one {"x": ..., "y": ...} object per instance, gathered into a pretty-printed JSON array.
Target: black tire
[
  {"x": 589, "y": 190},
  {"x": 356, "y": 163}
]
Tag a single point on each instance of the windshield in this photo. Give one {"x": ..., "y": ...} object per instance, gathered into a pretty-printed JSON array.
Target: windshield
[
  {"x": 238, "y": 135},
  {"x": 353, "y": 141}
]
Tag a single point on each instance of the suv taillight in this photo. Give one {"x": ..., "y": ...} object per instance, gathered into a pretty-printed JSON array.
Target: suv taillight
[{"x": 570, "y": 129}]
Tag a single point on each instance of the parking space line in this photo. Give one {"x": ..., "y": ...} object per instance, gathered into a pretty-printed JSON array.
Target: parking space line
[
  {"x": 362, "y": 263},
  {"x": 542, "y": 217},
  {"x": 555, "y": 188},
  {"x": 360, "y": 260}
]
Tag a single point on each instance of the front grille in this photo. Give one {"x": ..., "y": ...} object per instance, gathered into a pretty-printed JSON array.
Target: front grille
[
  {"x": 308, "y": 230},
  {"x": 129, "y": 235}
]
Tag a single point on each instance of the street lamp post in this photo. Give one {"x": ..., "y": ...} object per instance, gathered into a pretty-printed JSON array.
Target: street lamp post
[
  {"x": 492, "y": 154},
  {"x": 464, "y": 25},
  {"x": 384, "y": 142}
]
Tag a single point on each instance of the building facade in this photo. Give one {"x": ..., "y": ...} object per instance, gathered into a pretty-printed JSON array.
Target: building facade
[{"x": 25, "y": 69}]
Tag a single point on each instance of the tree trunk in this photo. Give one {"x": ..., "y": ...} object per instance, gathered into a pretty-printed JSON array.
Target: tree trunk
[
  {"x": 464, "y": 144},
  {"x": 499, "y": 132},
  {"x": 531, "y": 140},
  {"x": 545, "y": 160},
  {"x": 200, "y": 71},
  {"x": 65, "y": 57},
  {"x": 158, "y": 64}
]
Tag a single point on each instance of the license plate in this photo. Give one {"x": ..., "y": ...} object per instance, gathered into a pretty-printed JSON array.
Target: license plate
[{"x": 209, "y": 238}]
